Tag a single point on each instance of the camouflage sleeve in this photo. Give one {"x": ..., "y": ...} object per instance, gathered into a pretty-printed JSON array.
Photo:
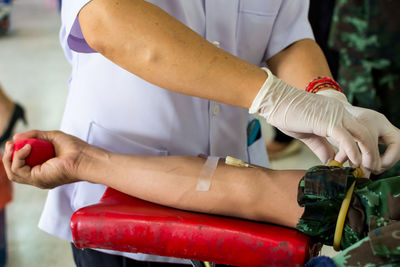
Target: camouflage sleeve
[
  {"x": 380, "y": 248},
  {"x": 366, "y": 33},
  {"x": 321, "y": 191},
  {"x": 351, "y": 36}
]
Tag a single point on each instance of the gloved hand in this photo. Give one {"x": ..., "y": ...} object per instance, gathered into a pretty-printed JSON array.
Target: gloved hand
[
  {"x": 312, "y": 118},
  {"x": 379, "y": 128}
]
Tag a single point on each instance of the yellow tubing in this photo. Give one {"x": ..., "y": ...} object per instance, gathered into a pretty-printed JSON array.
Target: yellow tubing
[
  {"x": 335, "y": 163},
  {"x": 337, "y": 238}
]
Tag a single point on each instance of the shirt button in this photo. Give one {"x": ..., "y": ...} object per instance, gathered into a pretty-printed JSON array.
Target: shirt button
[
  {"x": 216, "y": 110},
  {"x": 216, "y": 43}
]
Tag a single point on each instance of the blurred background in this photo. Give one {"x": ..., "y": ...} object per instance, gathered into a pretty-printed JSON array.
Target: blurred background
[{"x": 34, "y": 73}]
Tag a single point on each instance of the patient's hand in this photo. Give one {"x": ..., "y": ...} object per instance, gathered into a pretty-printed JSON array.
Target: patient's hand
[
  {"x": 56, "y": 171},
  {"x": 41, "y": 151}
]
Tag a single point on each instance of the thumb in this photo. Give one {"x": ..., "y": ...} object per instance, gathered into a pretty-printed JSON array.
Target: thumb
[{"x": 37, "y": 134}]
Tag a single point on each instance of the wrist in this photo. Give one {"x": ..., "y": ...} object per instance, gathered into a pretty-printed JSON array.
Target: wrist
[
  {"x": 329, "y": 92},
  {"x": 274, "y": 99},
  {"x": 91, "y": 161},
  {"x": 321, "y": 83},
  {"x": 257, "y": 101}
]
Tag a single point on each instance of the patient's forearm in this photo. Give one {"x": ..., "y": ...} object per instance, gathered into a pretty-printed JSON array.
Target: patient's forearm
[{"x": 252, "y": 193}]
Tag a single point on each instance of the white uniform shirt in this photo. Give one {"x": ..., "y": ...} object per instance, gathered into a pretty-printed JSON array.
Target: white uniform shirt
[{"x": 111, "y": 108}]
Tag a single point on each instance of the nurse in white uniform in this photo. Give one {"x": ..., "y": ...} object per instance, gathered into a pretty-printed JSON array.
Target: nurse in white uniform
[{"x": 142, "y": 72}]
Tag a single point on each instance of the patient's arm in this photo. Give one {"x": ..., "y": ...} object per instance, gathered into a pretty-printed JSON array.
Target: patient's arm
[{"x": 253, "y": 193}]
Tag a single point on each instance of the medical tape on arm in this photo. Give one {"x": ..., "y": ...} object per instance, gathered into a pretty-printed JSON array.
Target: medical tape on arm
[{"x": 206, "y": 174}]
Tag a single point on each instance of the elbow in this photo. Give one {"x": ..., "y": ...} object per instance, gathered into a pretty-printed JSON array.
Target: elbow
[
  {"x": 94, "y": 40},
  {"x": 93, "y": 21},
  {"x": 112, "y": 32}
]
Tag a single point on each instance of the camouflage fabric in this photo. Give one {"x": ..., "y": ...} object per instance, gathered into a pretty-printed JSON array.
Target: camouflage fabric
[
  {"x": 380, "y": 248},
  {"x": 366, "y": 34},
  {"x": 321, "y": 191},
  {"x": 395, "y": 170}
]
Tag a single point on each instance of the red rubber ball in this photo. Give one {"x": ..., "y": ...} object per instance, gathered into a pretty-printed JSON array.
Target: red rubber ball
[{"x": 41, "y": 151}]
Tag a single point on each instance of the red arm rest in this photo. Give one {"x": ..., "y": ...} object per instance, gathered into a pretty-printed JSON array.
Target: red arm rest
[
  {"x": 5, "y": 186},
  {"x": 124, "y": 223}
]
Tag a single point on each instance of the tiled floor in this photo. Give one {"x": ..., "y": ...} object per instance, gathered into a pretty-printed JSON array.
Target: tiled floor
[{"x": 34, "y": 72}]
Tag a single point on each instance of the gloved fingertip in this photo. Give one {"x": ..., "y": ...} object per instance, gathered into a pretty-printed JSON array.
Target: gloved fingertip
[
  {"x": 326, "y": 162},
  {"x": 365, "y": 173},
  {"x": 372, "y": 165},
  {"x": 356, "y": 160},
  {"x": 378, "y": 165},
  {"x": 377, "y": 172},
  {"x": 341, "y": 156}
]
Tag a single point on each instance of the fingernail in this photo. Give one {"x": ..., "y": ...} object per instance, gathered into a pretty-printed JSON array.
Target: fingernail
[{"x": 9, "y": 147}]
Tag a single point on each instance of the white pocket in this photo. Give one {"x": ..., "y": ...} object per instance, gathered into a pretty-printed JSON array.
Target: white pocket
[
  {"x": 260, "y": 7},
  {"x": 85, "y": 193},
  {"x": 258, "y": 154},
  {"x": 116, "y": 143}
]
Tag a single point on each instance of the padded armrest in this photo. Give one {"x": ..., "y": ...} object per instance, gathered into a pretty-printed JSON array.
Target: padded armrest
[
  {"x": 5, "y": 186},
  {"x": 124, "y": 223}
]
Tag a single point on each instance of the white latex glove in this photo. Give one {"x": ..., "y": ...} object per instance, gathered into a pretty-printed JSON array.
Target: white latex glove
[
  {"x": 313, "y": 118},
  {"x": 379, "y": 128}
]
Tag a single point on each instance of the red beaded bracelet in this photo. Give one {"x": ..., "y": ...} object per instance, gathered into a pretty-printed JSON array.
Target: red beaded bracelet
[{"x": 322, "y": 82}]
